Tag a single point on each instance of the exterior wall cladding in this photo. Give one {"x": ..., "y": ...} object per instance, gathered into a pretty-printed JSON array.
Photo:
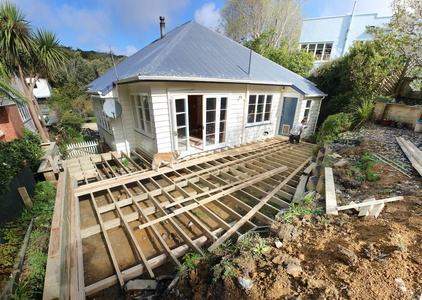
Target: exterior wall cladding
[{"x": 10, "y": 123}]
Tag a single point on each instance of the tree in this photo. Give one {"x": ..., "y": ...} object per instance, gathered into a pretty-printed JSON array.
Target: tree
[
  {"x": 404, "y": 39},
  {"x": 353, "y": 79},
  {"x": 28, "y": 54},
  {"x": 7, "y": 90},
  {"x": 296, "y": 60},
  {"x": 244, "y": 20}
]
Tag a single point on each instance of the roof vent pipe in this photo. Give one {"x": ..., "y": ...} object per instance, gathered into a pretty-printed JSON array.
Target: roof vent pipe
[{"x": 162, "y": 26}]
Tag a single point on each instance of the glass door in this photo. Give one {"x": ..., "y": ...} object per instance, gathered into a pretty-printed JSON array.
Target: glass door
[
  {"x": 181, "y": 133},
  {"x": 215, "y": 114}
]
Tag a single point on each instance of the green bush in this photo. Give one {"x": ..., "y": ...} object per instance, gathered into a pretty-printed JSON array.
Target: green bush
[
  {"x": 71, "y": 120},
  {"x": 18, "y": 153},
  {"x": 332, "y": 126}
]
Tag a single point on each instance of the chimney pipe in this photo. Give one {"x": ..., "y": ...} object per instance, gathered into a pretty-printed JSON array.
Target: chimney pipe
[{"x": 162, "y": 26}]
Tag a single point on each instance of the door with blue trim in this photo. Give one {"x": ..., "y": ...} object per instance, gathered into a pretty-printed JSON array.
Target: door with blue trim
[{"x": 287, "y": 115}]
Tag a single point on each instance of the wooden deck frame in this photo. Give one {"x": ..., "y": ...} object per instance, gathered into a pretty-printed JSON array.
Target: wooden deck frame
[{"x": 192, "y": 187}]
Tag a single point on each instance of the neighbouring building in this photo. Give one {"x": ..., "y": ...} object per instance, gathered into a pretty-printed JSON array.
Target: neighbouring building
[
  {"x": 330, "y": 37},
  {"x": 196, "y": 90},
  {"x": 13, "y": 118}
]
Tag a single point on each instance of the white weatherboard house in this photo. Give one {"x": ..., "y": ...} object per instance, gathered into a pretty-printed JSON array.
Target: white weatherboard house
[{"x": 196, "y": 90}]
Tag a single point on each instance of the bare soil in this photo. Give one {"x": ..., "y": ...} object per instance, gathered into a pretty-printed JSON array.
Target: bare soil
[{"x": 335, "y": 257}]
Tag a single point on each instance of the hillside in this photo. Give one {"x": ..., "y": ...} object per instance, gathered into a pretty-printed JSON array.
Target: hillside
[{"x": 333, "y": 257}]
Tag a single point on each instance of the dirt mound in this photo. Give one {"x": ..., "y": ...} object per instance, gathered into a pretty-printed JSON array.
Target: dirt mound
[{"x": 335, "y": 257}]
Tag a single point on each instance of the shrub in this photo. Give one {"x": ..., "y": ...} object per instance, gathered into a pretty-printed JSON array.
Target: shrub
[
  {"x": 361, "y": 110},
  {"x": 18, "y": 153},
  {"x": 334, "y": 125}
]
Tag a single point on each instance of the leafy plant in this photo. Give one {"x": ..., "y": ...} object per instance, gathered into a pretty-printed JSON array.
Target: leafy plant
[
  {"x": 18, "y": 153},
  {"x": 299, "y": 210},
  {"x": 224, "y": 268},
  {"x": 190, "y": 262},
  {"x": 361, "y": 110}
]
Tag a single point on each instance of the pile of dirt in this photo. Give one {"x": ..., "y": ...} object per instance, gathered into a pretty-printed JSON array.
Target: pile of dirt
[{"x": 335, "y": 257}]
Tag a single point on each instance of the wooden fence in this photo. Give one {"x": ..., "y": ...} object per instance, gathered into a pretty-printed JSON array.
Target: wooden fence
[{"x": 82, "y": 149}]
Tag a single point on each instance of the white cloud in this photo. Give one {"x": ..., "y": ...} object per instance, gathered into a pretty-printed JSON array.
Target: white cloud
[{"x": 208, "y": 15}]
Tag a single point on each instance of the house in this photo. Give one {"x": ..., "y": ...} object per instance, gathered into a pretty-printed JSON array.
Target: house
[
  {"x": 12, "y": 118},
  {"x": 196, "y": 90},
  {"x": 330, "y": 37},
  {"x": 42, "y": 91}
]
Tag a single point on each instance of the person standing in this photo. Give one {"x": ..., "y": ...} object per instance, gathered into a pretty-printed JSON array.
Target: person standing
[{"x": 296, "y": 131}]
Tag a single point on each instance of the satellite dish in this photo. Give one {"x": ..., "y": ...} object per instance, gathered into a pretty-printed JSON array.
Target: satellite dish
[{"x": 112, "y": 108}]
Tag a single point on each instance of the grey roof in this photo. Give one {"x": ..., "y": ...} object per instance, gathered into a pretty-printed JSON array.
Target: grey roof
[{"x": 192, "y": 52}]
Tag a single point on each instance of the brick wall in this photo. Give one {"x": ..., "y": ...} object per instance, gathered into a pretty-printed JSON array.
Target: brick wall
[{"x": 10, "y": 123}]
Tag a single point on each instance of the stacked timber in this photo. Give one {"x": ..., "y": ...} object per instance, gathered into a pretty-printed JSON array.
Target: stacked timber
[{"x": 412, "y": 152}]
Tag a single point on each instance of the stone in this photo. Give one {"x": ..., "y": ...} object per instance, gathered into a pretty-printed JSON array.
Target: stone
[
  {"x": 140, "y": 284},
  {"x": 245, "y": 284}
]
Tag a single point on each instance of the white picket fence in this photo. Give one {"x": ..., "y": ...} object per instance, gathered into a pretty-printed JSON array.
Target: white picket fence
[{"x": 82, "y": 149}]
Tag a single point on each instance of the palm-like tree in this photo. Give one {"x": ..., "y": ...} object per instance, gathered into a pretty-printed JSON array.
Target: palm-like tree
[
  {"x": 7, "y": 90},
  {"x": 26, "y": 53}
]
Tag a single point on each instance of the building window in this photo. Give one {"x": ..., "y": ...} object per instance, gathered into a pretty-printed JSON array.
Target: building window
[
  {"x": 142, "y": 114},
  {"x": 307, "y": 108},
  {"x": 321, "y": 51},
  {"x": 259, "y": 108},
  {"x": 24, "y": 112},
  {"x": 102, "y": 119}
]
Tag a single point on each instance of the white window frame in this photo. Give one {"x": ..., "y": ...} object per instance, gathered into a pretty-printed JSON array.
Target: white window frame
[
  {"x": 102, "y": 119},
  {"x": 314, "y": 48},
  {"x": 254, "y": 109},
  {"x": 142, "y": 114},
  {"x": 24, "y": 112},
  {"x": 308, "y": 105}
]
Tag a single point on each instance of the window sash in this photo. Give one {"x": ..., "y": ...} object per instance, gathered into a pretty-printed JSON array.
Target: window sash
[
  {"x": 259, "y": 108},
  {"x": 142, "y": 114},
  {"x": 24, "y": 112}
]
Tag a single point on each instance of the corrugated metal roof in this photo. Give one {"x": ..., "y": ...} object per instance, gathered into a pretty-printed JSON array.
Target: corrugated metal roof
[{"x": 194, "y": 52}]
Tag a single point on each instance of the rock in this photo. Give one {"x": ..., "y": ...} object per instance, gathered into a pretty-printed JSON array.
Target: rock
[
  {"x": 278, "y": 244},
  {"x": 346, "y": 256},
  {"x": 140, "y": 284},
  {"x": 245, "y": 284},
  {"x": 294, "y": 269},
  {"x": 341, "y": 163}
]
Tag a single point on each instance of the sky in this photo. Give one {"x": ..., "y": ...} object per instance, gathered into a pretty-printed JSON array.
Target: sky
[{"x": 126, "y": 26}]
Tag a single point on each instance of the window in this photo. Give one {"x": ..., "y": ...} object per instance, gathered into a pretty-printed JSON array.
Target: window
[
  {"x": 259, "y": 108},
  {"x": 24, "y": 112},
  {"x": 321, "y": 51},
  {"x": 102, "y": 119},
  {"x": 142, "y": 114},
  {"x": 307, "y": 108}
]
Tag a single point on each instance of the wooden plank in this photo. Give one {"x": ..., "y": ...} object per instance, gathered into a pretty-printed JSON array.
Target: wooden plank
[
  {"x": 357, "y": 205},
  {"x": 223, "y": 193},
  {"x": 309, "y": 169},
  {"x": 132, "y": 161},
  {"x": 132, "y": 236},
  {"x": 377, "y": 209},
  {"x": 330, "y": 193},
  {"x": 411, "y": 154},
  {"x": 108, "y": 242},
  {"x": 300, "y": 189},
  {"x": 55, "y": 261},
  {"x": 249, "y": 215},
  {"x": 25, "y": 197},
  {"x": 366, "y": 210},
  {"x": 139, "y": 269}
]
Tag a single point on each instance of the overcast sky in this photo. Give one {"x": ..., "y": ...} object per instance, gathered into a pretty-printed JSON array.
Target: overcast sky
[{"x": 126, "y": 26}]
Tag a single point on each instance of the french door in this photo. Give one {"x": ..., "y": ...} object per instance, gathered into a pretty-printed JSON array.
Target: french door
[{"x": 214, "y": 123}]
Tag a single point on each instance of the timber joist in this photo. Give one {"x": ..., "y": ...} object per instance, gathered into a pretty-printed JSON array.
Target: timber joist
[{"x": 129, "y": 220}]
